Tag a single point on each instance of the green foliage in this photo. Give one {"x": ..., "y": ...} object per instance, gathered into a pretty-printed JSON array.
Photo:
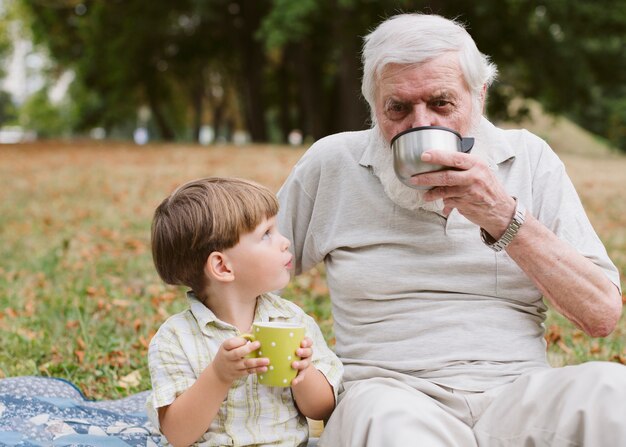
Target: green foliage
[
  {"x": 40, "y": 115},
  {"x": 8, "y": 112},
  {"x": 571, "y": 56},
  {"x": 616, "y": 120},
  {"x": 295, "y": 64},
  {"x": 289, "y": 21},
  {"x": 5, "y": 39}
]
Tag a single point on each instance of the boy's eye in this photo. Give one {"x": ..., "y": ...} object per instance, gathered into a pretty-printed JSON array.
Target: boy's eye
[{"x": 267, "y": 234}]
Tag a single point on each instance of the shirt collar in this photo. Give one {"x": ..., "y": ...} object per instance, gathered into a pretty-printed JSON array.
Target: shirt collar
[
  {"x": 269, "y": 307},
  {"x": 492, "y": 144},
  {"x": 201, "y": 313},
  {"x": 373, "y": 144}
]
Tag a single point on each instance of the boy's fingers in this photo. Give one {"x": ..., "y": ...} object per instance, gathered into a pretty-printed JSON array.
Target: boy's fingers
[
  {"x": 233, "y": 343},
  {"x": 304, "y": 352},
  {"x": 301, "y": 364},
  {"x": 247, "y": 348},
  {"x": 258, "y": 370},
  {"x": 306, "y": 342},
  {"x": 256, "y": 363}
]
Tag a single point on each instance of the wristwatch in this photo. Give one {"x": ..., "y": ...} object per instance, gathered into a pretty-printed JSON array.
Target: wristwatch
[{"x": 509, "y": 233}]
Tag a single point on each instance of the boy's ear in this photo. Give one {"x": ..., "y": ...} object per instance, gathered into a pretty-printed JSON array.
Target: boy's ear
[{"x": 218, "y": 267}]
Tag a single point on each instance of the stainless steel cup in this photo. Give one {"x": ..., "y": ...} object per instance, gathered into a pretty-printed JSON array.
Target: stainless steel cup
[{"x": 408, "y": 147}]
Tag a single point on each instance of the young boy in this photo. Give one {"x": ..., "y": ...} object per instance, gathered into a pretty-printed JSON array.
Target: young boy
[{"x": 218, "y": 236}]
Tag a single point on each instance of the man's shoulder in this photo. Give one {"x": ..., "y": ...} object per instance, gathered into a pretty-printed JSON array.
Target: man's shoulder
[
  {"x": 520, "y": 137},
  {"x": 518, "y": 143},
  {"x": 348, "y": 138},
  {"x": 525, "y": 136},
  {"x": 343, "y": 144}
]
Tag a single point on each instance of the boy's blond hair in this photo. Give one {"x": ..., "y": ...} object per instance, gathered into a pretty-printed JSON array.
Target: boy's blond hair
[{"x": 203, "y": 216}]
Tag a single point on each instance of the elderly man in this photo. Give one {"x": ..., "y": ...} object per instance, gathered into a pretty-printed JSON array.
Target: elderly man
[{"x": 437, "y": 295}]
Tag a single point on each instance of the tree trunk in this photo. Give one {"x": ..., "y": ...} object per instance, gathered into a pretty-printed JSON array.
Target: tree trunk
[
  {"x": 352, "y": 112},
  {"x": 218, "y": 119},
  {"x": 284, "y": 117},
  {"x": 253, "y": 65},
  {"x": 309, "y": 91},
  {"x": 165, "y": 130},
  {"x": 197, "y": 101}
]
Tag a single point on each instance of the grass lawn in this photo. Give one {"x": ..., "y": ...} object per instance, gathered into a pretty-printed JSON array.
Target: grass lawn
[{"x": 79, "y": 297}]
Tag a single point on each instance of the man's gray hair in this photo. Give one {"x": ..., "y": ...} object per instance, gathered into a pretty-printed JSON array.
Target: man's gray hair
[{"x": 416, "y": 38}]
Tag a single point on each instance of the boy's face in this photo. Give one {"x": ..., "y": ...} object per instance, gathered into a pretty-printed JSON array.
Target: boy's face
[{"x": 261, "y": 259}]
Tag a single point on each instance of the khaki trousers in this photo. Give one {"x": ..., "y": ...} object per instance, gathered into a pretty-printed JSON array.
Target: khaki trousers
[{"x": 582, "y": 405}]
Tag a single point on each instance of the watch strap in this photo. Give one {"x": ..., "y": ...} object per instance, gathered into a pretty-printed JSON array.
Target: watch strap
[{"x": 511, "y": 231}]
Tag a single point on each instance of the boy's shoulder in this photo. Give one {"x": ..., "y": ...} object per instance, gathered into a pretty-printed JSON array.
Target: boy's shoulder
[
  {"x": 188, "y": 322},
  {"x": 180, "y": 321}
]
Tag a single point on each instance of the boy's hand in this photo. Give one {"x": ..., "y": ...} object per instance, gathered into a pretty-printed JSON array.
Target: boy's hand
[
  {"x": 230, "y": 362},
  {"x": 305, "y": 352}
]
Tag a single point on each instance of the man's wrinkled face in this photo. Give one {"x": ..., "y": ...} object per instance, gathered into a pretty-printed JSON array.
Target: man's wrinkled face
[{"x": 433, "y": 93}]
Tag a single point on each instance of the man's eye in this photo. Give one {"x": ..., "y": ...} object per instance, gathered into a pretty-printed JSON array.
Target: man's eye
[
  {"x": 396, "y": 109},
  {"x": 441, "y": 103}
]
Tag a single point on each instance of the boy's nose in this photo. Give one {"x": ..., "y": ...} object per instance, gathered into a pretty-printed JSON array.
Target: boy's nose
[{"x": 286, "y": 243}]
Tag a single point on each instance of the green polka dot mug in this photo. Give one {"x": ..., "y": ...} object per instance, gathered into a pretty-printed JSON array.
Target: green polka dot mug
[{"x": 279, "y": 341}]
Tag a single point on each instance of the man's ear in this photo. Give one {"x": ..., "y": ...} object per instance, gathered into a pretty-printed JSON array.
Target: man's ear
[
  {"x": 483, "y": 98},
  {"x": 219, "y": 268}
]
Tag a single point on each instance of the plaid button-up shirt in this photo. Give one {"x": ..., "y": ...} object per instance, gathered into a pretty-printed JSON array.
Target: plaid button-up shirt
[{"x": 251, "y": 414}]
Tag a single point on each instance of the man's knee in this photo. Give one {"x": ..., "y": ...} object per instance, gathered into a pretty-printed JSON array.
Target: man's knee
[
  {"x": 381, "y": 398},
  {"x": 385, "y": 412},
  {"x": 596, "y": 402},
  {"x": 574, "y": 405},
  {"x": 603, "y": 375},
  {"x": 600, "y": 385}
]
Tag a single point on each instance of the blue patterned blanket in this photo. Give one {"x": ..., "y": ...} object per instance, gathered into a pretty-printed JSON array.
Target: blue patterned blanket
[{"x": 40, "y": 411}]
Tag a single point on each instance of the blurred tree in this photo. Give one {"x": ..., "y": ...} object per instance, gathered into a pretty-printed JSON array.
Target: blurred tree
[
  {"x": 5, "y": 40},
  {"x": 7, "y": 108},
  {"x": 274, "y": 65},
  {"x": 129, "y": 53},
  {"x": 569, "y": 55},
  {"x": 316, "y": 57},
  {"x": 118, "y": 51},
  {"x": 40, "y": 115},
  {"x": 8, "y": 112}
]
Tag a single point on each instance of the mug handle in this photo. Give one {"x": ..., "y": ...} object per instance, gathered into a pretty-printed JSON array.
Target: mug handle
[{"x": 250, "y": 338}]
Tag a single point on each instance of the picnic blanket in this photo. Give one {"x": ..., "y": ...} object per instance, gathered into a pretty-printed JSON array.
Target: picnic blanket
[
  {"x": 46, "y": 411},
  {"x": 42, "y": 411}
]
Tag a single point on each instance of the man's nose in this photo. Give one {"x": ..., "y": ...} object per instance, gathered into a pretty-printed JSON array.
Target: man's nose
[{"x": 421, "y": 117}]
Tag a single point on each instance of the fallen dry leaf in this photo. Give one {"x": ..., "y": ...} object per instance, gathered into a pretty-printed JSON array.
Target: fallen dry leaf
[
  {"x": 130, "y": 380},
  {"x": 564, "y": 347},
  {"x": 80, "y": 356}
]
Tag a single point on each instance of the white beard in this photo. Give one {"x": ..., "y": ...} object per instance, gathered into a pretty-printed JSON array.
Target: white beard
[{"x": 400, "y": 194}]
